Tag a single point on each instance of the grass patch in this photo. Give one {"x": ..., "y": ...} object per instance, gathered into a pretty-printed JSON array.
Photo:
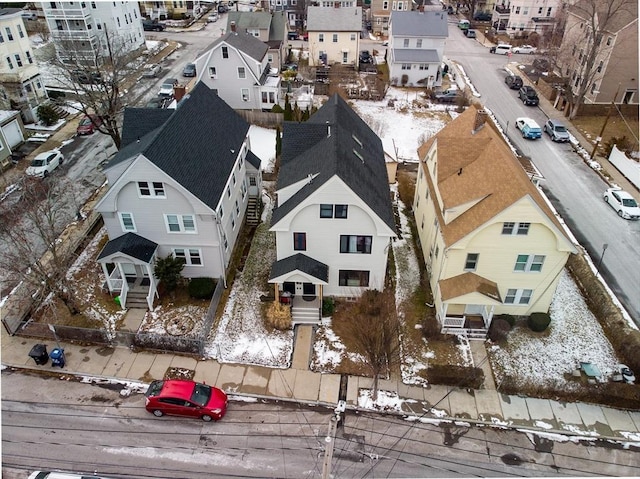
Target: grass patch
[{"x": 590, "y": 127}]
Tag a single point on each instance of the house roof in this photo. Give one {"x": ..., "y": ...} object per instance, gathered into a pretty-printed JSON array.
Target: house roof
[
  {"x": 326, "y": 19},
  {"x": 477, "y": 167},
  {"x": 246, "y": 20},
  {"x": 415, "y": 55},
  {"x": 302, "y": 263},
  {"x": 278, "y": 27},
  {"x": 247, "y": 44},
  {"x": 253, "y": 160},
  {"x": 197, "y": 145},
  {"x": 616, "y": 18},
  {"x": 466, "y": 283},
  {"x": 132, "y": 245},
  {"x": 419, "y": 24},
  {"x": 335, "y": 141}
]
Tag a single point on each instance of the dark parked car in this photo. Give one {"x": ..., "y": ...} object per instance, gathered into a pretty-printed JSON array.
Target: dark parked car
[
  {"x": 482, "y": 17},
  {"x": 450, "y": 10},
  {"x": 223, "y": 9},
  {"x": 528, "y": 96},
  {"x": 449, "y": 97},
  {"x": 152, "y": 26},
  {"x": 189, "y": 70},
  {"x": 86, "y": 78},
  {"x": 177, "y": 397},
  {"x": 513, "y": 81},
  {"x": 365, "y": 57}
]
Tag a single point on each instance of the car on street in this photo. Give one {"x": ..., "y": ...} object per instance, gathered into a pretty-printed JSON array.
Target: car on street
[
  {"x": 213, "y": 17},
  {"x": 44, "y": 163},
  {"x": 501, "y": 49},
  {"x": 447, "y": 97},
  {"x": 189, "y": 70},
  {"x": 556, "y": 130},
  {"x": 470, "y": 33},
  {"x": 61, "y": 475},
  {"x": 482, "y": 17},
  {"x": 86, "y": 78},
  {"x": 525, "y": 49},
  {"x": 178, "y": 397},
  {"x": 88, "y": 124},
  {"x": 152, "y": 71},
  {"x": 223, "y": 8},
  {"x": 166, "y": 90},
  {"x": 529, "y": 128},
  {"x": 365, "y": 57},
  {"x": 513, "y": 81},
  {"x": 528, "y": 95},
  {"x": 152, "y": 26},
  {"x": 625, "y": 205}
]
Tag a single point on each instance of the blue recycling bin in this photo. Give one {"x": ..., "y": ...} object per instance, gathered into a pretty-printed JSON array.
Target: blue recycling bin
[{"x": 57, "y": 357}]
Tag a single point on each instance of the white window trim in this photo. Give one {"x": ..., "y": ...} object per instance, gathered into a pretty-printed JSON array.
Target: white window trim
[
  {"x": 518, "y": 296},
  {"x": 187, "y": 256},
  {"x": 529, "y": 263},
  {"x": 134, "y": 230},
  {"x": 152, "y": 192},
  {"x": 180, "y": 223}
]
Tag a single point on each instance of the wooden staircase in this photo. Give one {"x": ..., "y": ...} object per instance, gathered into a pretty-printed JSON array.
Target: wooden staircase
[
  {"x": 137, "y": 299},
  {"x": 254, "y": 207}
]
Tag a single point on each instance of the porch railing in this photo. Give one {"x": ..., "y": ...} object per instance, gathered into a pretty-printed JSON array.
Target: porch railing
[
  {"x": 123, "y": 294},
  {"x": 454, "y": 321}
]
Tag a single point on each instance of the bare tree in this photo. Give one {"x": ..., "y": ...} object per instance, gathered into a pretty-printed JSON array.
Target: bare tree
[
  {"x": 372, "y": 328},
  {"x": 585, "y": 44},
  {"x": 96, "y": 75},
  {"x": 32, "y": 251}
]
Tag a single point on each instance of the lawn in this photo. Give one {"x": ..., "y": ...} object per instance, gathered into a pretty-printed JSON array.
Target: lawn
[{"x": 591, "y": 126}]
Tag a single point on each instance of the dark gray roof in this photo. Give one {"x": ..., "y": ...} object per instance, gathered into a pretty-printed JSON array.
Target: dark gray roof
[
  {"x": 245, "y": 43},
  {"x": 303, "y": 263},
  {"x": 142, "y": 121},
  {"x": 197, "y": 146},
  {"x": 9, "y": 11},
  {"x": 325, "y": 145},
  {"x": 325, "y": 19},
  {"x": 419, "y": 24},
  {"x": 253, "y": 160},
  {"x": 244, "y": 20},
  {"x": 413, "y": 55},
  {"x": 132, "y": 245},
  {"x": 278, "y": 27}
]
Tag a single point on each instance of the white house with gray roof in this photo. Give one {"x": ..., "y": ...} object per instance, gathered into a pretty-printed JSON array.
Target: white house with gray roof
[
  {"x": 180, "y": 186},
  {"x": 416, "y": 47},
  {"x": 334, "y": 35},
  {"x": 236, "y": 66},
  {"x": 333, "y": 219}
]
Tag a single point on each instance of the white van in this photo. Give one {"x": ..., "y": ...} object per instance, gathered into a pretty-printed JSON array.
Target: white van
[
  {"x": 62, "y": 475},
  {"x": 501, "y": 49}
]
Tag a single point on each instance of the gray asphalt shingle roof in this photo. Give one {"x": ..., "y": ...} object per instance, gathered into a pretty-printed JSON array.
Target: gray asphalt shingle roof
[
  {"x": 244, "y": 20},
  {"x": 197, "y": 145},
  {"x": 247, "y": 44},
  {"x": 419, "y": 24},
  {"x": 132, "y": 245},
  {"x": 300, "y": 262},
  {"x": 335, "y": 141},
  {"x": 325, "y": 19},
  {"x": 415, "y": 55}
]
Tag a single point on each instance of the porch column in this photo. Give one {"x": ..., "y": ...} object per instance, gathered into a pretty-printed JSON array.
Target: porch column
[
  {"x": 106, "y": 275},
  {"x": 275, "y": 285}
]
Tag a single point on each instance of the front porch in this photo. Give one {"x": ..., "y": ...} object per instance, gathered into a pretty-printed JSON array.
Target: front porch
[{"x": 473, "y": 326}]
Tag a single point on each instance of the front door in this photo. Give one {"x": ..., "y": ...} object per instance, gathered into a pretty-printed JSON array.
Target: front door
[
  {"x": 474, "y": 309},
  {"x": 299, "y": 289}
]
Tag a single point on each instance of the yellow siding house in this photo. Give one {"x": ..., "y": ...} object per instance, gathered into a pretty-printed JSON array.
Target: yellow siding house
[{"x": 491, "y": 243}]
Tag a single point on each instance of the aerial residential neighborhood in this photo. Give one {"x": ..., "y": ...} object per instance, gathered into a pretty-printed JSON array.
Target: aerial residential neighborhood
[{"x": 359, "y": 237}]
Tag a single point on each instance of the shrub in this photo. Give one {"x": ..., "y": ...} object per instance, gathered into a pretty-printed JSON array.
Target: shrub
[
  {"x": 458, "y": 376},
  {"x": 538, "y": 322},
  {"x": 48, "y": 115},
  {"x": 328, "y": 306},
  {"x": 277, "y": 109},
  {"x": 498, "y": 330},
  {"x": 202, "y": 288},
  {"x": 279, "y": 316},
  {"x": 169, "y": 271},
  {"x": 509, "y": 319}
]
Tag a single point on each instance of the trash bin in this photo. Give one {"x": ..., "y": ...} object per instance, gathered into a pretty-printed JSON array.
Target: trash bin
[
  {"x": 39, "y": 354},
  {"x": 57, "y": 357}
]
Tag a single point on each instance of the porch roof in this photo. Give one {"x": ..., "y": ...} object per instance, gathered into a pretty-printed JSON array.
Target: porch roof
[
  {"x": 301, "y": 263},
  {"x": 129, "y": 244},
  {"x": 466, "y": 283}
]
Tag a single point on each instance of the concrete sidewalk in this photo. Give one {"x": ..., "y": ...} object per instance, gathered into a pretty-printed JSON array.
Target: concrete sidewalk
[{"x": 437, "y": 403}]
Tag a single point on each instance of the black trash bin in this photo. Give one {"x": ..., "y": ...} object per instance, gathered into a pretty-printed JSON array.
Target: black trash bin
[
  {"x": 57, "y": 357},
  {"x": 39, "y": 354}
]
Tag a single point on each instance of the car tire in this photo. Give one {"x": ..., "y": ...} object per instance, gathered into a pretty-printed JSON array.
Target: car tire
[
  {"x": 620, "y": 213},
  {"x": 45, "y": 174},
  {"x": 206, "y": 418},
  {"x": 158, "y": 413},
  {"x": 606, "y": 199}
]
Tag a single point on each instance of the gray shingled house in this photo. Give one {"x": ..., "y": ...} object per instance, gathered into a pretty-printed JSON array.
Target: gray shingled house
[
  {"x": 180, "y": 185},
  {"x": 333, "y": 220}
]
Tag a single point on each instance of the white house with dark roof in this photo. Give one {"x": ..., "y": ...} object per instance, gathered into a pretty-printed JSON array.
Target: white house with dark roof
[
  {"x": 180, "y": 186},
  {"x": 416, "y": 47},
  {"x": 236, "y": 66},
  {"x": 333, "y": 220},
  {"x": 334, "y": 35}
]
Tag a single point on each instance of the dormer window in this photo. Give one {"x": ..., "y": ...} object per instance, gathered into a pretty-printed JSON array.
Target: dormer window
[{"x": 153, "y": 189}]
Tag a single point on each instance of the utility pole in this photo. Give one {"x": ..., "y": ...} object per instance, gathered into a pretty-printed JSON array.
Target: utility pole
[
  {"x": 331, "y": 439},
  {"x": 606, "y": 120}
]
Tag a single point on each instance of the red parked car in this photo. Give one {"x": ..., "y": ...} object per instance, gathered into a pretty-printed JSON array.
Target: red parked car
[
  {"x": 177, "y": 397},
  {"x": 89, "y": 124}
]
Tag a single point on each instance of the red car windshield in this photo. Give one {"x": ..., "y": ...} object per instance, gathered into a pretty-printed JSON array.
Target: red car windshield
[{"x": 201, "y": 394}]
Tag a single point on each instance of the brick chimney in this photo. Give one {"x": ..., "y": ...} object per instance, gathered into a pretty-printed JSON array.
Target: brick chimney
[
  {"x": 233, "y": 26},
  {"x": 481, "y": 118},
  {"x": 179, "y": 92}
]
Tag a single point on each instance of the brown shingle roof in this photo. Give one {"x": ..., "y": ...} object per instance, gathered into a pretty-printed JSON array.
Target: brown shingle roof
[
  {"x": 466, "y": 283},
  {"x": 479, "y": 169}
]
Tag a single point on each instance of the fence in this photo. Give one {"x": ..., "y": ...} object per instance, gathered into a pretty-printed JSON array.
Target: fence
[{"x": 263, "y": 118}]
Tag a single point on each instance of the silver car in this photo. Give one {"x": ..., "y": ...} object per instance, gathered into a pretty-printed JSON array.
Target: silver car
[{"x": 152, "y": 71}]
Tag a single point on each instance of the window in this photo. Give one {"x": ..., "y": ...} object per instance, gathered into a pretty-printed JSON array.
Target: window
[
  {"x": 233, "y": 223},
  {"x": 471, "y": 263},
  {"x": 20, "y": 32},
  {"x": 212, "y": 72},
  {"x": 241, "y": 73},
  {"x": 406, "y": 66},
  {"x": 1, "y": 38},
  {"x": 18, "y": 60},
  {"x": 180, "y": 223},
  {"x": 385, "y": 5},
  {"x": 531, "y": 262},
  {"x": 126, "y": 221},
  {"x": 151, "y": 190},
  {"x": 252, "y": 181},
  {"x": 9, "y": 63},
  {"x": 224, "y": 240},
  {"x": 511, "y": 228},
  {"x": 237, "y": 209},
  {"x": 228, "y": 192},
  {"x": 326, "y": 211},
  {"x": 423, "y": 66},
  {"x": 225, "y": 52},
  {"x": 340, "y": 211},
  {"x": 353, "y": 37},
  {"x": 245, "y": 94},
  {"x": 233, "y": 178},
  {"x": 355, "y": 244},
  {"x": 419, "y": 43},
  {"x": 300, "y": 241},
  {"x": 9, "y": 34},
  {"x": 321, "y": 37},
  {"x": 600, "y": 65},
  {"x": 335, "y": 38},
  {"x": 518, "y": 296},
  {"x": 609, "y": 41},
  {"x": 348, "y": 277},
  {"x": 220, "y": 212},
  {"x": 517, "y": 10},
  {"x": 405, "y": 43},
  {"x": 190, "y": 256},
  {"x": 29, "y": 57}
]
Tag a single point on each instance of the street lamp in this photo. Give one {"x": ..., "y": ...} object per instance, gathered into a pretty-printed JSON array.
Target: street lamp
[{"x": 604, "y": 248}]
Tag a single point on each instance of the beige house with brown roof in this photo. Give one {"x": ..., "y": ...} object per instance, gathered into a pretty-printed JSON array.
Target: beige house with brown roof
[{"x": 490, "y": 242}]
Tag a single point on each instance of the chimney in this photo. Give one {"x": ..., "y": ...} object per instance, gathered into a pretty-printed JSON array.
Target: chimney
[
  {"x": 233, "y": 27},
  {"x": 179, "y": 92},
  {"x": 481, "y": 118}
]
